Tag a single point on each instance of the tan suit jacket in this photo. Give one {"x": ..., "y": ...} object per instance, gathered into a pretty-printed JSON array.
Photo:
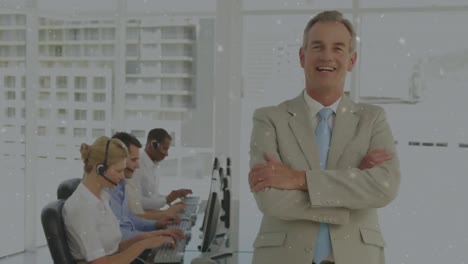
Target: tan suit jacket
[{"x": 342, "y": 195}]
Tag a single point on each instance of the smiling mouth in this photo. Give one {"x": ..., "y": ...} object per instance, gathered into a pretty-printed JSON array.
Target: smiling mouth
[{"x": 325, "y": 69}]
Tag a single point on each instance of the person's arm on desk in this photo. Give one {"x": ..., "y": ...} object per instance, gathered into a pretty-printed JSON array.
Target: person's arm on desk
[
  {"x": 132, "y": 251},
  {"x": 181, "y": 193}
]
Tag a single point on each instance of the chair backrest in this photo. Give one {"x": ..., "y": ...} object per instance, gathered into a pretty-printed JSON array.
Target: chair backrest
[
  {"x": 67, "y": 187},
  {"x": 54, "y": 230}
]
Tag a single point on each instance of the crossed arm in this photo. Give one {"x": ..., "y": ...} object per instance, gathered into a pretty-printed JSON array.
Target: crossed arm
[{"x": 289, "y": 194}]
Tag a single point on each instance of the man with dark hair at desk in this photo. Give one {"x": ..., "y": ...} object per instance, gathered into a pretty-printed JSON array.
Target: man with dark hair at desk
[
  {"x": 147, "y": 178},
  {"x": 321, "y": 164},
  {"x": 133, "y": 163},
  {"x": 130, "y": 224}
]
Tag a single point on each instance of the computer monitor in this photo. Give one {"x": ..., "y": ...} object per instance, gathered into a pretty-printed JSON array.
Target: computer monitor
[
  {"x": 214, "y": 187},
  {"x": 214, "y": 175},
  {"x": 221, "y": 177},
  {"x": 226, "y": 205},
  {"x": 210, "y": 226},
  {"x": 226, "y": 181},
  {"x": 226, "y": 200}
]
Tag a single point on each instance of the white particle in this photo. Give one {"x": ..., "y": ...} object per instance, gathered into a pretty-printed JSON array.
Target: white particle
[
  {"x": 402, "y": 41},
  {"x": 441, "y": 72},
  {"x": 220, "y": 48}
]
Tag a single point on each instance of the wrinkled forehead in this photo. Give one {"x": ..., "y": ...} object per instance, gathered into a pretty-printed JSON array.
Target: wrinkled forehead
[{"x": 329, "y": 33}]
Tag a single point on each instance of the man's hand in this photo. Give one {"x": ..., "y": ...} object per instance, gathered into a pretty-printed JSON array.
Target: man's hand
[
  {"x": 175, "y": 208},
  {"x": 275, "y": 174},
  {"x": 171, "y": 216},
  {"x": 177, "y": 194},
  {"x": 375, "y": 158},
  {"x": 163, "y": 222},
  {"x": 175, "y": 233}
]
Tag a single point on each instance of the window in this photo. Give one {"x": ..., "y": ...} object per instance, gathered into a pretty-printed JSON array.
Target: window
[
  {"x": 99, "y": 115},
  {"x": 79, "y": 132},
  {"x": 80, "y": 114}
]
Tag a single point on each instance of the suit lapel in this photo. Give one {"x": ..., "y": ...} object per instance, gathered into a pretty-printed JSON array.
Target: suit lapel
[
  {"x": 343, "y": 130},
  {"x": 301, "y": 126}
]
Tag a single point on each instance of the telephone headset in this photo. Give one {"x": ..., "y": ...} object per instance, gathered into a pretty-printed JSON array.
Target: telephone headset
[
  {"x": 102, "y": 167},
  {"x": 155, "y": 144}
]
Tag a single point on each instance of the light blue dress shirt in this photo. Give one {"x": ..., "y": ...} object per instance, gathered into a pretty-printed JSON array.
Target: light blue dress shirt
[{"x": 130, "y": 224}]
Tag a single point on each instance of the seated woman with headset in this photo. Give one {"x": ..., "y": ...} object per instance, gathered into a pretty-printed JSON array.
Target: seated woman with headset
[{"x": 93, "y": 231}]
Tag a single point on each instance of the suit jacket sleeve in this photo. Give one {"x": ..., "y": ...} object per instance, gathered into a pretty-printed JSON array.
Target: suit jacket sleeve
[
  {"x": 359, "y": 189},
  {"x": 284, "y": 204}
]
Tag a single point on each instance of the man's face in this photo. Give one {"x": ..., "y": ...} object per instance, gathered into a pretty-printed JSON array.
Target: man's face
[
  {"x": 327, "y": 57},
  {"x": 133, "y": 161},
  {"x": 163, "y": 151}
]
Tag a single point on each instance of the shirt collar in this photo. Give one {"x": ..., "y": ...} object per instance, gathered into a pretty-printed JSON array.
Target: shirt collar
[
  {"x": 314, "y": 106},
  {"x": 146, "y": 160},
  {"x": 89, "y": 196}
]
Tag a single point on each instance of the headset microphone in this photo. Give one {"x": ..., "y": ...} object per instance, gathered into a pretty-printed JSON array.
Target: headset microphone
[
  {"x": 102, "y": 167},
  {"x": 130, "y": 170},
  {"x": 109, "y": 180}
]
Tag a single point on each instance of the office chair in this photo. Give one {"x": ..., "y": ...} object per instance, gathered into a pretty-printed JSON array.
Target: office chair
[
  {"x": 54, "y": 230},
  {"x": 67, "y": 187}
]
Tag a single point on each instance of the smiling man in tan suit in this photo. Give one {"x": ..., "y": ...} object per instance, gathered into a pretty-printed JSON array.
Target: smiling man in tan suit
[{"x": 321, "y": 164}]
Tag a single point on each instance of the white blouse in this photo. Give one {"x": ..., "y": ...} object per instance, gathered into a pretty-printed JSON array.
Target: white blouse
[{"x": 92, "y": 229}]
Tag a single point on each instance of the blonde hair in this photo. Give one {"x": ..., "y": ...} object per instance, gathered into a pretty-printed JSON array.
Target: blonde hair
[
  {"x": 330, "y": 16},
  {"x": 94, "y": 154}
]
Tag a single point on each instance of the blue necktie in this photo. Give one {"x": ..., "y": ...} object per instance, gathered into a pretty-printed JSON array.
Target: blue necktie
[{"x": 323, "y": 247}]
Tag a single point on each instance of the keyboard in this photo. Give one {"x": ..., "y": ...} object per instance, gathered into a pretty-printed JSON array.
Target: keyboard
[
  {"x": 189, "y": 213},
  {"x": 189, "y": 200},
  {"x": 166, "y": 254},
  {"x": 184, "y": 225}
]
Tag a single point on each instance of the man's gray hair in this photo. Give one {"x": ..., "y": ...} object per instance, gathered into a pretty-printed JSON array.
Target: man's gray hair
[{"x": 330, "y": 16}]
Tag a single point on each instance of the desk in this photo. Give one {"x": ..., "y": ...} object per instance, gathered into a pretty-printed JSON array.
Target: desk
[{"x": 191, "y": 249}]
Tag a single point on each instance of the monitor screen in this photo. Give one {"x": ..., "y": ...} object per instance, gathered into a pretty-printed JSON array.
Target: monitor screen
[
  {"x": 214, "y": 187},
  {"x": 226, "y": 205},
  {"x": 211, "y": 221}
]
